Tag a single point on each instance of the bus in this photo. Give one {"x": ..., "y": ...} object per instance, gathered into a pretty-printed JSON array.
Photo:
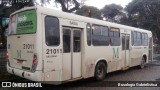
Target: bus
[{"x": 53, "y": 46}]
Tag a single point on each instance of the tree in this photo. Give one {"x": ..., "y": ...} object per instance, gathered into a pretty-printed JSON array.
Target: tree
[
  {"x": 89, "y": 11},
  {"x": 6, "y": 8},
  {"x": 9, "y": 6},
  {"x": 113, "y": 12},
  {"x": 145, "y": 14},
  {"x": 66, "y": 5}
]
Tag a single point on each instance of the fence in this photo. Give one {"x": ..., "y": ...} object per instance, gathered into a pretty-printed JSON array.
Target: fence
[{"x": 2, "y": 58}]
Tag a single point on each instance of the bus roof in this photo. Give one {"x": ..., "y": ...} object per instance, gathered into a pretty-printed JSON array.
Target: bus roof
[{"x": 71, "y": 16}]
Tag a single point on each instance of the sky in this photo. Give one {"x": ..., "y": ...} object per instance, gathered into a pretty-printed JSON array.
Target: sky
[
  {"x": 98, "y": 3},
  {"x": 101, "y": 3}
]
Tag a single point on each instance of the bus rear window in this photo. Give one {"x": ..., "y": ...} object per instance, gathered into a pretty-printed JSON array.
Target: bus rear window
[{"x": 23, "y": 23}]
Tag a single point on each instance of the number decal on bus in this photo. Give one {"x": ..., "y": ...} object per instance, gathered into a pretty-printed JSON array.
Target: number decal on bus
[
  {"x": 28, "y": 46},
  {"x": 53, "y": 51}
]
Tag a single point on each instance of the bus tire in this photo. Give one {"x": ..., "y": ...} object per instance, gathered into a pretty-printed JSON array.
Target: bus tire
[
  {"x": 100, "y": 71},
  {"x": 141, "y": 66}
]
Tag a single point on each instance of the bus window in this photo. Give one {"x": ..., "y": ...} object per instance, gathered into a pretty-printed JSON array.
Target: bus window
[
  {"x": 144, "y": 39},
  {"x": 89, "y": 34},
  {"x": 97, "y": 30},
  {"x": 104, "y": 31},
  {"x": 137, "y": 38},
  {"x": 77, "y": 41},
  {"x": 66, "y": 40},
  {"x": 52, "y": 31},
  {"x": 23, "y": 23},
  {"x": 132, "y": 36},
  {"x": 123, "y": 42},
  {"x": 100, "y": 36},
  {"x": 114, "y": 36},
  {"x": 127, "y": 42}
]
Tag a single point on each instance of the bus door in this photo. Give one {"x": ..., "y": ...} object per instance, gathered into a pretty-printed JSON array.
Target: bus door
[
  {"x": 71, "y": 53},
  {"x": 150, "y": 56},
  {"x": 125, "y": 49}
]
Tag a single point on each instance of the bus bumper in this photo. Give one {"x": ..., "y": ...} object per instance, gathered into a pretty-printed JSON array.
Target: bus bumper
[{"x": 36, "y": 76}]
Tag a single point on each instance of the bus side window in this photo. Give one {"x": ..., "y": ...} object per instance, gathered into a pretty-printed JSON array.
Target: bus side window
[
  {"x": 114, "y": 36},
  {"x": 89, "y": 33},
  {"x": 137, "y": 38},
  {"x": 77, "y": 41},
  {"x": 132, "y": 36},
  {"x": 100, "y": 35},
  {"x": 52, "y": 34},
  {"x": 144, "y": 39},
  {"x": 66, "y": 40}
]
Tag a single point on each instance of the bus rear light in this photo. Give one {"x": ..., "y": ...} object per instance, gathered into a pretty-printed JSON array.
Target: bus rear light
[
  {"x": 34, "y": 64},
  {"x": 7, "y": 56},
  {"x": 35, "y": 60}
]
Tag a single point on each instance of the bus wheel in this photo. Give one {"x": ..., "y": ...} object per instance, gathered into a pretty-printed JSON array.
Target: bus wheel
[
  {"x": 141, "y": 66},
  {"x": 100, "y": 71}
]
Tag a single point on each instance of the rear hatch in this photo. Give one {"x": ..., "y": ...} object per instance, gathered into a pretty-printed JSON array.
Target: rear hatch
[{"x": 21, "y": 41}]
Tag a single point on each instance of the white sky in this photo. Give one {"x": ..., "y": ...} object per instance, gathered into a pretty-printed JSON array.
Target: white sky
[
  {"x": 101, "y": 3},
  {"x": 98, "y": 3}
]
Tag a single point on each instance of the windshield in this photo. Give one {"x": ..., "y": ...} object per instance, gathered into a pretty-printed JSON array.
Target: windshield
[{"x": 23, "y": 23}]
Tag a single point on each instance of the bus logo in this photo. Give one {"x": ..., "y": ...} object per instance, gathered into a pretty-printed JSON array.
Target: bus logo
[
  {"x": 18, "y": 53},
  {"x": 115, "y": 53},
  {"x": 22, "y": 18}
]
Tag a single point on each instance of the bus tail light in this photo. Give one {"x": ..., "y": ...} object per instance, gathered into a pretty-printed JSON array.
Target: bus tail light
[
  {"x": 34, "y": 64},
  {"x": 34, "y": 59},
  {"x": 7, "y": 58}
]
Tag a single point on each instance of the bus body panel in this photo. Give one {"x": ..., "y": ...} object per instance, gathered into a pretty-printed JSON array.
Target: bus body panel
[
  {"x": 36, "y": 76},
  {"x": 52, "y": 57},
  {"x": 21, "y": 51}
]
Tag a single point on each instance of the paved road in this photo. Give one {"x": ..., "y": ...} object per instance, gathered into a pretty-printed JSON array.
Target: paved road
[{"x": 150, "y": 73}]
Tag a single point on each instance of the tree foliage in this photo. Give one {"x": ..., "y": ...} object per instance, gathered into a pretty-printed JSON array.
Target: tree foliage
[
  {"x": 66, "y": 5},
  {"x": 9, "y": 6},
  {"x": 89, "y": 11},
  {"x": 144, "y": 14},
  {"x": 6, "y": 8},
  {"x": 113, "y": 12}
]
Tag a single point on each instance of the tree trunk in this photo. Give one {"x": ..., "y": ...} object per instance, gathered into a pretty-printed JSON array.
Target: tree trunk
[
  {"x": 3, "y": 41},
  {"x": 2, "y": 34},
  {"x": 158, "y": 35},
  {"x": 65, "y": 8}
]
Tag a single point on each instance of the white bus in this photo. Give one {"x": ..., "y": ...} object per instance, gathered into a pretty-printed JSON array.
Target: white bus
[{"x": 48, "y": 45}]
